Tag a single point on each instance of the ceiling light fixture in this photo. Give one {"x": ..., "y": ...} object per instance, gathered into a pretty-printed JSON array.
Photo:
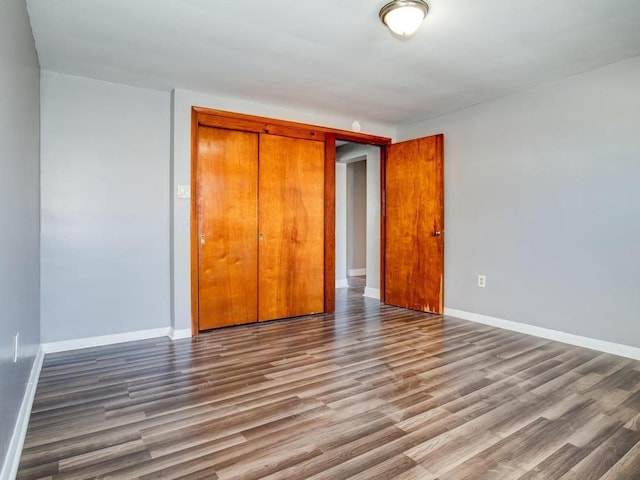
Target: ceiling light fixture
[{"x": 404, "y": 17}]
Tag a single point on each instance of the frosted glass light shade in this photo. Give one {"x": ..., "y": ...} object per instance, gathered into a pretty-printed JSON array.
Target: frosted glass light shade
[{"x": 404, "y": 17}]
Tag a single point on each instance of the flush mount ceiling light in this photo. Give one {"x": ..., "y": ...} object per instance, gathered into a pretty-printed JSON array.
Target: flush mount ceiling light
[{"x": 404, "y": 17}]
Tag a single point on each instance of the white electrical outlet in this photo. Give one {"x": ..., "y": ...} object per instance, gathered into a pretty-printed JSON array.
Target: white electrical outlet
[
  {"x": 482, "y": 281},
  {"x": 15, "y": 347}
]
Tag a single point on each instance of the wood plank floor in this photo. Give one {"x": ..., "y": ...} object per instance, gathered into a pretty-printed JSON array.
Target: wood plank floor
[{"x": 370, "y": 392}]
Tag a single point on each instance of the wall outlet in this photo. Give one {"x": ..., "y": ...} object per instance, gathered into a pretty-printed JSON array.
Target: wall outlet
[
  {"x": 16, "y": 339},
  {"x": 482, "y": 281}
]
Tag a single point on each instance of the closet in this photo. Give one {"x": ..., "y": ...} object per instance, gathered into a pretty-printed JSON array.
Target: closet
[
  {"x": 263, "y": 219},
  {"x": 260, "y": 208}
]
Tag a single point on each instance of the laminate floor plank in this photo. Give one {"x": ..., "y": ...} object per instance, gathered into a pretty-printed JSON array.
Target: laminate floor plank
[
  {"x": 390, "y": 468},
  {"x": 627, "y": 467},
  {"x": 556, "y": 464},
  {"x": 371, "y": 391},
  {"x": 604, "y": 457},
  {"x": 634, "y": 423}
]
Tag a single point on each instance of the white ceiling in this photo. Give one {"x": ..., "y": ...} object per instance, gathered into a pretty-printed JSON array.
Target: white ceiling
[{"x": 335, "y": 55}]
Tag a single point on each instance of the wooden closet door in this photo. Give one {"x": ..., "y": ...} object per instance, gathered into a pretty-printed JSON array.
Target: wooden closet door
[
  {"x": 227, "y": 198},
  {"x": 291, "y": 226}
]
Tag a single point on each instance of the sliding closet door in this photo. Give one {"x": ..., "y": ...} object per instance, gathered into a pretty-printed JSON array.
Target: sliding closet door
[
  {"x": 291, "y": 227},
  {"x": 227, "y": 198}
]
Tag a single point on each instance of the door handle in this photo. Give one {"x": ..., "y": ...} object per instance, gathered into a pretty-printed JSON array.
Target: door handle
[
  {"x": 202, "y": 240},
  {"x": 436, "y": 233}
]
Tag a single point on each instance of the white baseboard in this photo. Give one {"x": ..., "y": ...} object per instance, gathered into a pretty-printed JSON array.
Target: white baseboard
[
  {"x": 357, "y": 272},
  {"x": 342, "y": 283},
  {"x": 179, "y": 334},
  {"x": 372, "y": 293},
  {"x": 76, "y": 344},
  {"x": 12, "y": 459},
  {"x": 580, "y": 341}
]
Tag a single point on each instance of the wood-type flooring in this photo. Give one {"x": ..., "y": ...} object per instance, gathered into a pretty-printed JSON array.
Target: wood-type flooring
[{"x": 370, "y": 392}]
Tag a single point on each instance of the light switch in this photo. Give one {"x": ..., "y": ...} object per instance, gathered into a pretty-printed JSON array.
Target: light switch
[{"x": 184, "y": 191}]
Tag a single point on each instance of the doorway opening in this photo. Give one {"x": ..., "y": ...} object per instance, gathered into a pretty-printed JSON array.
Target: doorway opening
[{"x": 358, "y": 217}]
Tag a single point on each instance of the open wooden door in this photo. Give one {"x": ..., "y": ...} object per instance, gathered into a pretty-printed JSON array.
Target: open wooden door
[{"x": 414, "y": 225}]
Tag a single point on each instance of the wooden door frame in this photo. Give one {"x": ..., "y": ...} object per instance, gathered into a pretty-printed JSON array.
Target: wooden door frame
[
  {"x": 383, "y": 220},
  {"x": 201, "y": 116}
]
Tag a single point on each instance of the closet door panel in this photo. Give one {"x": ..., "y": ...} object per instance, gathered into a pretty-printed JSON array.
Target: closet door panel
[
  {"x": 291, "y": 227},
  {"x": 227, "y": 199}
]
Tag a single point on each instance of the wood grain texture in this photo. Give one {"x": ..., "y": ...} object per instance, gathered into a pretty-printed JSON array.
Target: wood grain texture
[
  {"x": 253, "y": 123},
  {"x": 330, "y": 224},
  {"x": 291, "y": 223},
  {"x": 227, "y": 198},
  {"x": 414, "y": 222},
  {"x": 194, "y": 243},
  {"x": 372, "y": 391},
  {"x": 383, "y": 220},
  {"x": 204, "y": 117}
]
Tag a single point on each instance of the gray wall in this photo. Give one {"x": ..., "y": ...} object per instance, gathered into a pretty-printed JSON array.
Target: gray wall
[
  {"x": 357, "y": 215},
  {"x": 105, "y": 208},
  {"x": 341, "y": 224},
  {"x": 373, "y": 221},
  {"x": 19, "y": 209},
  {"x": 542, "y": 195}
]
